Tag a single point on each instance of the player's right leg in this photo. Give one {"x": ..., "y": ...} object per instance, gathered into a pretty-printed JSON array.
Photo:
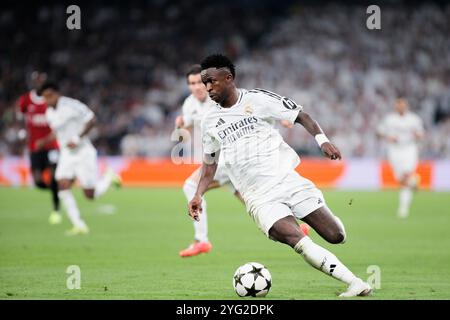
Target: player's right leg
[
  {"x": 39, "y": 163},
  {"x": 286, "y": 230},
  {"x": 55, "y": 217},
  {"x": 52, "y": 161},
  {"x": 201, "y": 243},
  {"x": 65, "y": 175},
  {"x": 409, "y": 182},
  {"x": 70, "y": 204},
  {"x": 404, "y": 166}
]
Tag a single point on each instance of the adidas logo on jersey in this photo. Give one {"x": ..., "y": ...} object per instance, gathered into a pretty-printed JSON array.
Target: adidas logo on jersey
[{"x": 220, "y": 122}]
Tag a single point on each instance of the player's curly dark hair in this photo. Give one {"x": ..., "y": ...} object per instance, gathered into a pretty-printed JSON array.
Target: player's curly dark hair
[
  {"x": 47, "y": 85},
  {"x": 218, "y": 61}
]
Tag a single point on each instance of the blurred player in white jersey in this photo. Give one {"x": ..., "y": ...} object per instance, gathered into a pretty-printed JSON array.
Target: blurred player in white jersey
[
  {"x": 71, "y": 121},
  {"x": 194, "y": 108},
  {"x": 261, "y": 167},
  {"x": 402, "y": 131}
]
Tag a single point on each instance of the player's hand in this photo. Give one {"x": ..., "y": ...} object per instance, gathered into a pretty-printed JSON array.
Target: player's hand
[
  {"x": 286, "y": 124},
  {"x": 392, "y": 139},
  {"x": 71, "y": 145},
  {"x": 40, "y": 144},
  {"x": 179, "y": 122},
  {"x": 417, "y": 135},
  {"x": 195, "y": 207},
  {"x": 331, "y": 151}
]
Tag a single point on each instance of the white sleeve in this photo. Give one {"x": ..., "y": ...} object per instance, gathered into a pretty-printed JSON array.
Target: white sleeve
[
  {"x": 276, "y": 106},
  {"x": 210, "y": 143},
  {"x": 382, "y": 126},
  {"x": 187, "y": 114},
  {"x": 83, "y": 112},
  {"x": 419, "y": 125}
]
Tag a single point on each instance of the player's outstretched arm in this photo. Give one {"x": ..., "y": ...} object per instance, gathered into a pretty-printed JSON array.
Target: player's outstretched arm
[
  {"x": 209, "y": 168},
  {"x": 87, "y": 128},
  {"x": 179, "y": 122},
  {"x": 42, "y": 142},
  {"x": 311, "y": 125}
]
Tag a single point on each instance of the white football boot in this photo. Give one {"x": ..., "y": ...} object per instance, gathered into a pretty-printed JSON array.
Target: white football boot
[{"x": 357, "y": 288}]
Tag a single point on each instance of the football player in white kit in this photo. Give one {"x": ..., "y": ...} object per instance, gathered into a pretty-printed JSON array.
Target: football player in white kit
[
  {"x": 71, "y": 121},
  {"x": 402, "y": 130},
  {"x": 261, "y": 167},
  {"x": 194, "y": 108}
]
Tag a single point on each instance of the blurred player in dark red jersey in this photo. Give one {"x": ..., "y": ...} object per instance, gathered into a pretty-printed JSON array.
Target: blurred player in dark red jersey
[{"x": 31, "y": 108}]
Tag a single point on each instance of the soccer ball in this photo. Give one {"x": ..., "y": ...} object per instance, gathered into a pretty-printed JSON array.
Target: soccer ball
[{"x": 252, "y": 280}]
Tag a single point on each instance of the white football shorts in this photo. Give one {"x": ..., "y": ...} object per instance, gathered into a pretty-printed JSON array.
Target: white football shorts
[
  {"x": 80, "y": 164},
  {"x": 294, "y": 195},
  {"x": 403, "y": 161}
]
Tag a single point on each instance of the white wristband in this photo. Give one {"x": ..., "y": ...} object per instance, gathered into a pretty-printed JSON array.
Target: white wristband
[{"x": 321, "y": 139}]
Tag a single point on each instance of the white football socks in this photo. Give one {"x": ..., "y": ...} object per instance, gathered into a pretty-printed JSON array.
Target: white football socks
[
  {"x": 201, "y": 226},
  {"x": 405, "y": 198},
  {"x": 323, "y": 260},
  {"x": 102, "y": 186},
  {"x": 71, "y": 207}
]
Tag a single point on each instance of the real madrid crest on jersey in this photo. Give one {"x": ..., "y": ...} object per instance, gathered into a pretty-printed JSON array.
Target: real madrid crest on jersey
[{"x": 248, "y": 109}]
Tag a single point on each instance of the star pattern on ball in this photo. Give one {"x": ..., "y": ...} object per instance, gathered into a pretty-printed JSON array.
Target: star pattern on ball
[
  {"x": 256, "y": 269},
  {"x": 252, "y": 280},
  {"x": 268, "y": 284},
  {"x": 252, "y": 291},
  {"x": 237, "y": 278}
]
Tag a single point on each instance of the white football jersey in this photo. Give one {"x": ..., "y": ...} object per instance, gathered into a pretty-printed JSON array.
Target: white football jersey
[
  {"x": 401, "y": 127},
  {"x": 194, "y": 110},
  {"x": 253, "y": 151},
  {"x": 68, "y": 119}
]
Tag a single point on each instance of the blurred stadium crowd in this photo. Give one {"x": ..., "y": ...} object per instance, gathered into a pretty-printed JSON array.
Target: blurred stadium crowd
[{"x": 128, "y": 62}]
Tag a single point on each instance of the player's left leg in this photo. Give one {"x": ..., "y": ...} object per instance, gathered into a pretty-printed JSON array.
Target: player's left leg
[
  {"x": 327, "y": 225},
  {"x": 304, "y": 201},
  {"x": 87, "y": 174},
  {"x": 201, "y": 242},
  {"x": 108, "y": 178},
  {"x": 286, "y": 230},
  {"x": 409, "y": 182}
]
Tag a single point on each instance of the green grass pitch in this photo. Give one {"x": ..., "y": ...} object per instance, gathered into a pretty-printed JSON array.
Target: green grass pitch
[{"x": 132, "y": 253}]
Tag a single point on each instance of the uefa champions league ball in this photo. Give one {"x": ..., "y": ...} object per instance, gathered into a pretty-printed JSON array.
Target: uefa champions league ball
[{"x": 252, "y": 280}]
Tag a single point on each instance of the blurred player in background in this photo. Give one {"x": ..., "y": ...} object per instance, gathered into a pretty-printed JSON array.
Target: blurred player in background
[
  {"x": 194, "y": 108},
  {"x": 402, "y": 130},
  {"x": 262, "y": 168},
  {"x": 71, "y": 121},
  {"x": 31, "y": 108}
]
